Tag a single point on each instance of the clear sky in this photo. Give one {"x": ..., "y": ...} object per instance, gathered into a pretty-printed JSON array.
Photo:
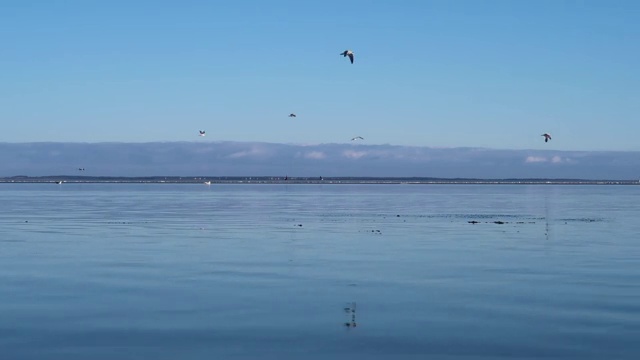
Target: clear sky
[{"x": 444, "y": 73}]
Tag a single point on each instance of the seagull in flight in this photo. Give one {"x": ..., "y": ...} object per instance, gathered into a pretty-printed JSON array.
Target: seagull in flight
[
  {"x": 357, "y": 138},
  {"x": 292, "y": 115},
  {"x": 348, "y": 53},
  {"x": 202, "y": 133},
  {"x": 547, "y": 137}
]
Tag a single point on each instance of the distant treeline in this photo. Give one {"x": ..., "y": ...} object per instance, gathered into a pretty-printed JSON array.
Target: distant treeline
[{"x": 299, "y": 180}]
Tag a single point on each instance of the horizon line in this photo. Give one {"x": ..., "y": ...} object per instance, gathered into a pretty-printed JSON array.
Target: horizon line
[{"x": 302, "y": 179}]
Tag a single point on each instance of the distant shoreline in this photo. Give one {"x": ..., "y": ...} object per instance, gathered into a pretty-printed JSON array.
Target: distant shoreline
[{"x": 298, "y": 180}]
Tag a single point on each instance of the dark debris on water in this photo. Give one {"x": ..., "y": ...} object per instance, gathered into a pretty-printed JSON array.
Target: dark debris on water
[
  {"x": 374, "y": 231},
  {"x": 350, "y": 309},
  {"x": 499, "y": 222}
]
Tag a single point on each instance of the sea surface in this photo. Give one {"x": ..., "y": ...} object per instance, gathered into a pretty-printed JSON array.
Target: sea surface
[{"x": 162, "y": 271}]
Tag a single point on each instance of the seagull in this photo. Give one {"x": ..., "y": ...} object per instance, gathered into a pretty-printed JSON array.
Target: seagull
[
  {"x": 547, "y": 137},
  {"x": 357, "y": 138},
  {"x": 207, "y": 182},
  {"x": 201, "y": 132},
  {"x": 348, "y": 53},
  {"x": 292, "y": 115}
]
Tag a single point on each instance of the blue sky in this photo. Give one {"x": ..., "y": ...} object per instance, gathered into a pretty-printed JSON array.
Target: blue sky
[{"x": 427, "y": 73}]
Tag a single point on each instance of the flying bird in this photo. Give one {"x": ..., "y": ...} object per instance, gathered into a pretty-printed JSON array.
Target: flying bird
[
  {"x": 292, "y": 115},
  {"x": 202, "y": 133},
  {"x": 547, "y": 137},
  {"x": 357, "y": 138},
  {"x": 348, "y": 53}
]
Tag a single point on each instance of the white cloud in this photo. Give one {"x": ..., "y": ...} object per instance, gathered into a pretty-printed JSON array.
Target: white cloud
[
  {"x": 350, "y": 154},
  {"x": 254, "y": 151},
  {"x": 535, "y": 159},
  {"x": 318, "y": 155}
]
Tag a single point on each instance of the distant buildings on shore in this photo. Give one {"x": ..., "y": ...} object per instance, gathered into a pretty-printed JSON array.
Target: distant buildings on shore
[{"x": 303, "y": 180}]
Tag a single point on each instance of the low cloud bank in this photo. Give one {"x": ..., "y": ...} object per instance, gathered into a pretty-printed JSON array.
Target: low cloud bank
[{"x": 269, "y": 159}]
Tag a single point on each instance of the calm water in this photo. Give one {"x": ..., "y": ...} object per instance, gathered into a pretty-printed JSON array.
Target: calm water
[{"x": 95, "y": 271}]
